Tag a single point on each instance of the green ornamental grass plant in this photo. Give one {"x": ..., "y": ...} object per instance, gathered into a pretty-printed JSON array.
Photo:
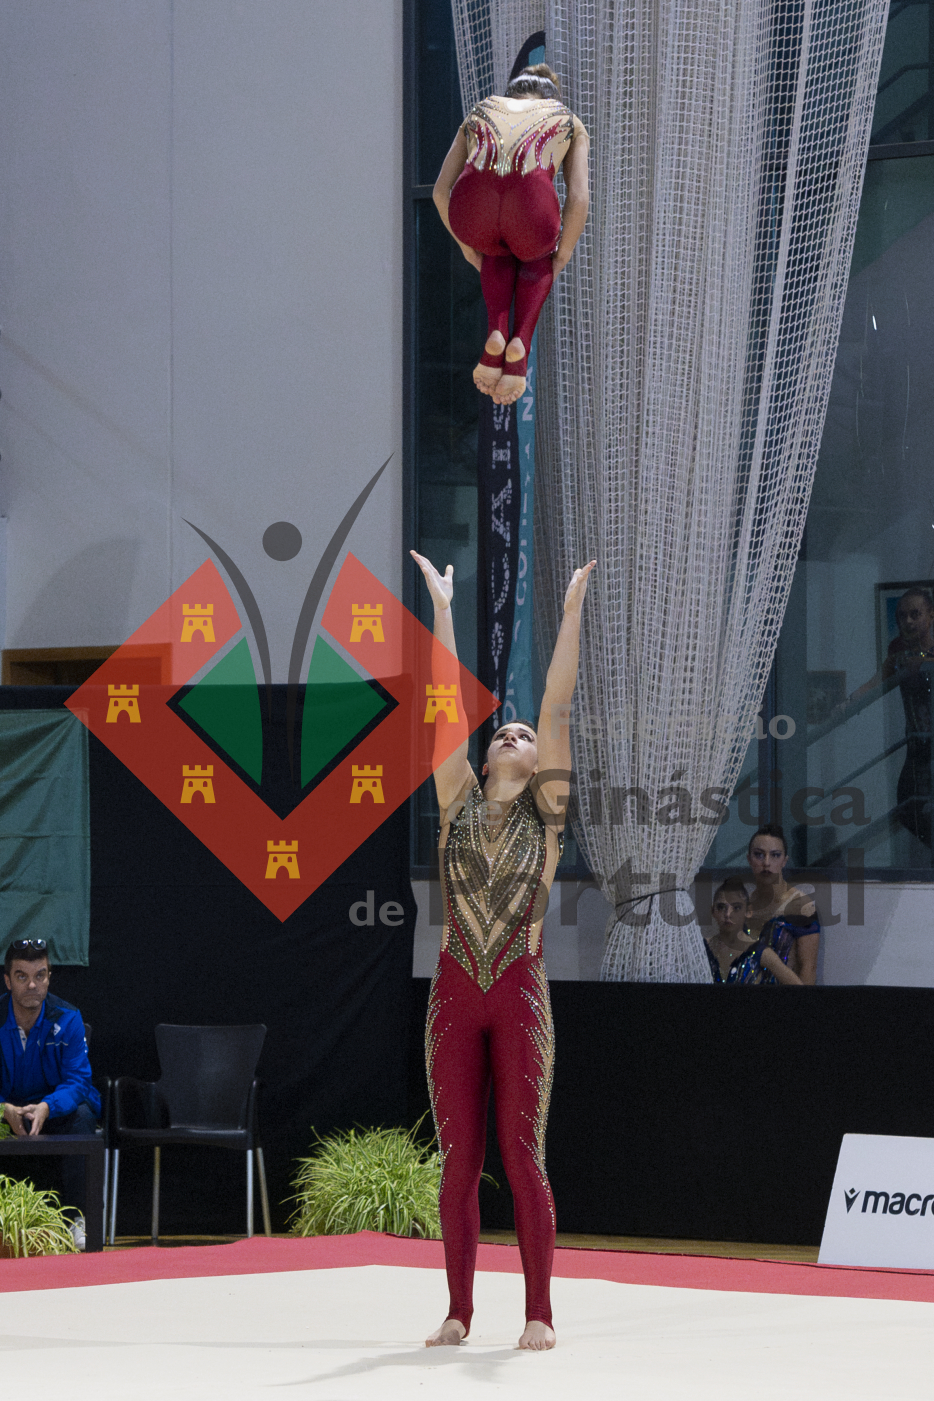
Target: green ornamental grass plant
[
  {"x": 368, "y": 1180},
  {"x": 31, "y": 1222}
]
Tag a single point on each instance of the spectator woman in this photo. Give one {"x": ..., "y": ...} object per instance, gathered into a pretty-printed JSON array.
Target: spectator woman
[
  {"x": 780, "y": 910},
  {"x": 735, "y": 955}
]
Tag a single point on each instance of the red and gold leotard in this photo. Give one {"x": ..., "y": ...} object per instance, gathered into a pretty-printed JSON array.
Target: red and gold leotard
[
  {"x": 504, "y": 205},
  {"x": 492, "y": 887},
  {"x": 489, "y": 1023},
  {"x": 516, "y": 141}
]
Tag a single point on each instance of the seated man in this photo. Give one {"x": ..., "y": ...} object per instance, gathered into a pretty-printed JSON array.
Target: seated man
[{"x": 45, "y": 1074}]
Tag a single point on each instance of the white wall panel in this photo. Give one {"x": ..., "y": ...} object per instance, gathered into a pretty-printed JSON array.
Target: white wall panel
[
  {"x": 201, "y": 267},
  {"x": 287, "y": 306},
  {"x": 84, "y": 272}
]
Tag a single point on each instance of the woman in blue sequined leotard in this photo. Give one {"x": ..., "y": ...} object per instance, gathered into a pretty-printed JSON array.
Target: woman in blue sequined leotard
[
  {"x": 778, "y": 909},
  {"x": 489, "y": 1015},
  {"x": 736, "y": 956}
]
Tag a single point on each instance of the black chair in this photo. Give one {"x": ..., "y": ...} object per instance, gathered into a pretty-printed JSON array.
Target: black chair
[
  {"x": 104, "y": 1086},
  {"x": 207, "y": 1095}
]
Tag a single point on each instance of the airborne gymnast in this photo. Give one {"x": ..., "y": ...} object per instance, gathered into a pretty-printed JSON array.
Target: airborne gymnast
[
  {"x": 489, "y": 1014},
  {"x": 496, "y": 195}
]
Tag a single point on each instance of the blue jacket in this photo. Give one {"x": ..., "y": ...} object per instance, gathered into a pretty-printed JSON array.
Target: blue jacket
[{"x": 54, "y": 1066}]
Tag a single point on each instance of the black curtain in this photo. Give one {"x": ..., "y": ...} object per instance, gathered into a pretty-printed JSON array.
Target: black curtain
[{"x": 175, "y": 937}]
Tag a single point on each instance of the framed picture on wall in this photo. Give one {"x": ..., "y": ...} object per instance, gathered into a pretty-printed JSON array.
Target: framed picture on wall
[{"x": 887, "y": 596}]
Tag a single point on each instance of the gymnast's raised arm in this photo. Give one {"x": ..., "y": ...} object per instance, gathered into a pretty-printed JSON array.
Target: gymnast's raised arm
[
  {"x": 454, "y": 776},
  {"x": 553, "y": 781}
]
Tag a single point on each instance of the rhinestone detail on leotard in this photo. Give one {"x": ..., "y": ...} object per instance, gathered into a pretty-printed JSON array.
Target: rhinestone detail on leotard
[
  {"x": 511, "y": 142},
  {"x": 493, "y": 891},
  {"x": 543, "y": 1038}
]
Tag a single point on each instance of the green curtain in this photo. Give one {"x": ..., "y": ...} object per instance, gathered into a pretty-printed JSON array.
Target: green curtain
[{"x": 45, "y": 842}]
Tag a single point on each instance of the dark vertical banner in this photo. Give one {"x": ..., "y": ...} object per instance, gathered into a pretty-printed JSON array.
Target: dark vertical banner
[
  {"x": 499, "y": 503},
  {"x": 505, "y": 501}
]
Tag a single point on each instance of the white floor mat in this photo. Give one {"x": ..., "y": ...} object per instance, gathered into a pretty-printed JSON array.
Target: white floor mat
[{"x": 355, "y": 1334}]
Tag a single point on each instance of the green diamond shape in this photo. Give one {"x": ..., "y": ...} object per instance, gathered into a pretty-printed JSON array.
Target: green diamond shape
[
  {"x": 338, "y": 705},
  {"x": 225, "y": 703}
]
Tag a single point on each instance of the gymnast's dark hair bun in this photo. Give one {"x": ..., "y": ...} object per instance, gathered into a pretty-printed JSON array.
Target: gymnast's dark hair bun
[
  {"x": 733, "y": 885},
  {"x": 769, "y": 829},
  {"x": 537, "y": 81}
]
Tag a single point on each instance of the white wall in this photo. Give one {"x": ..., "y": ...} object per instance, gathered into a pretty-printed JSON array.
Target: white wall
[
  {"x": 886, "y": 936},
  {"x": 201, "y": 306}
]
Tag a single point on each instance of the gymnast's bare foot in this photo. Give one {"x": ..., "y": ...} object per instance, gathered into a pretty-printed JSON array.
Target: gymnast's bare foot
[
  {"x": 451, "y": 1334},
  {"x": 487, "y": 377},
  {"x": 510, "y": 387},
  {"x": 538, "y": 1337}
]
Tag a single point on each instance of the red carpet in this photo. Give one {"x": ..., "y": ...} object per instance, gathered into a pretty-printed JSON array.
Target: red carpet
[{"x": 269, "y": 1256}]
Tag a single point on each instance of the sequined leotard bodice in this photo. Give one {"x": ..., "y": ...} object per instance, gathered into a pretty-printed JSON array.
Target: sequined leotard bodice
[
  {"x": 509, "y": 142},
  {"x": 492, "y": 888}
]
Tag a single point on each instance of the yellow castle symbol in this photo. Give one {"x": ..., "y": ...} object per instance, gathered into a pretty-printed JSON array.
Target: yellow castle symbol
[
  {"x": 123, "y": 698},
  {"x": 197, "y": 780},
  {"x": 282, "y": 854},
  {"x": 197, "y": 618},
  {"x": 441, "y": 701},
  {"x": 367, "y": 781},
  {"x": 367, "y": 617}
]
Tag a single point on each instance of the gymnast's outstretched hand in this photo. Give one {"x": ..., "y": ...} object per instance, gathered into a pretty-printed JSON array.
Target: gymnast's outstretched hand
[
  {"x": 577, "y": 588},
  {"x": 440, "y": 586}
]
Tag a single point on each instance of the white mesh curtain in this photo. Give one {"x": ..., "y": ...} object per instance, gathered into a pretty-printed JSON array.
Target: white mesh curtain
[{"x": 686, "y": 358}]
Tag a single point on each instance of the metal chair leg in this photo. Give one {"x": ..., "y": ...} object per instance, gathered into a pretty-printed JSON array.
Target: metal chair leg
[
  {"x": 113, "y": 1195},
  {"x": 156, "y": 1170},
  {"x": 106, "y": 1201},
  {"x": 249, "y": 1194},
  {"x": 263, "y": 1194}
]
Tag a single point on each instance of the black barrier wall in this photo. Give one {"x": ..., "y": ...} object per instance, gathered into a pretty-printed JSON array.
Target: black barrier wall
[
  {"x": 709, "y": 1113},
  {"x": 176, "y": 938}
]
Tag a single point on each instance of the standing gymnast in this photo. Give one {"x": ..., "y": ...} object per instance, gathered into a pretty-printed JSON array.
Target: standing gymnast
[
  {"x": 489, "y": 1014},
  {"x": 497, "y": 198}
]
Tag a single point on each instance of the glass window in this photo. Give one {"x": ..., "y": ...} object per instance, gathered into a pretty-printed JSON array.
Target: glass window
[
  {"x": 842, "y": 753},
  {"x": 842, "y": 756},
  {"x": 438, "y": 104},
  {"x": 448, "y": 324},
  {"x": 728, "y": 849},
  {"x": 903, "y": 105},
  {"x": 856, "y": 655}
]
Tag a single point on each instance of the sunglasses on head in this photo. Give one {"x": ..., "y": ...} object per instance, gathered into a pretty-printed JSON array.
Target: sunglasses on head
[{"x": 39, "y": 945}]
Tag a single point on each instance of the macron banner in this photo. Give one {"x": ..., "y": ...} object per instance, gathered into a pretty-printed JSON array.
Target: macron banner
[{"x": 881, "y": 1210}]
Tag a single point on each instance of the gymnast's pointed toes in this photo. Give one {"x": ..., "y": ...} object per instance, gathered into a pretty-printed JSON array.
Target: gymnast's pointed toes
[
  {"x": 509, "y": 389},
  {"x": 486, "y": 378}
]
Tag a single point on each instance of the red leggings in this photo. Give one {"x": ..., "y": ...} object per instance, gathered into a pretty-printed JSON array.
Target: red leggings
[
  {"x": 473, "y": 1039},
  {"x": 515, "y": 222}
]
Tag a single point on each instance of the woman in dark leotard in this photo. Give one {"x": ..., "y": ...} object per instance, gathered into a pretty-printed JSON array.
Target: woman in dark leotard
[
  {"x": 489, "y": 1016},
  {"x": 497, "y": 198},
  {"x": 778, "y": 910}
]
